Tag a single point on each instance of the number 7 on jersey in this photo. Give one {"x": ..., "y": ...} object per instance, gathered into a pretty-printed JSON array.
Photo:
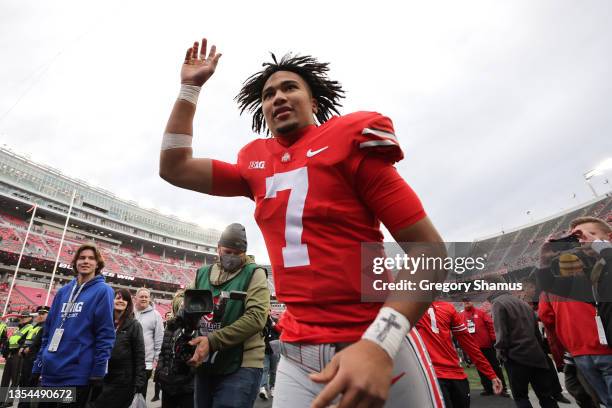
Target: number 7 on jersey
[{"x": 295, "y": 253}]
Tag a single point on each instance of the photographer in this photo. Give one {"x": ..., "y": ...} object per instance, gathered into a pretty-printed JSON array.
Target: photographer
[
  {"x": 578, "y": 265},
  {"x": 232, "y": 336}
]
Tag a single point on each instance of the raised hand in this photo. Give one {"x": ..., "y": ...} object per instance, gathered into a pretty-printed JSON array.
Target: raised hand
[{"x": 198, "y": 67}]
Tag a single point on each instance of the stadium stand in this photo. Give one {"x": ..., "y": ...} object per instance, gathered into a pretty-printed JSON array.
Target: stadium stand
[{"x": 519, "y": 249}]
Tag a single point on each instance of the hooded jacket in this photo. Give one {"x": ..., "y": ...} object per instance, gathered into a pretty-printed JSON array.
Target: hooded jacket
[
  {"x": 88, "y": 338},
  {"x": 152, "y": 331}
]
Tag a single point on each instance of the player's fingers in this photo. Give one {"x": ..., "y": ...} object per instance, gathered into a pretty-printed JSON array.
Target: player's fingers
[
  {"x": 328, "y": 394},
  {"x": 215, "y": 60},
  {"x": 203, "y": 50},
  {"x": 213, "y": 51},
  {"x": 196, "y": 46},
  {"x": 188, "y": 56},
  {"x": 366, "y": 403},
  {"x": 327, "y": 373},
  {"x": 350, "y": 399}
]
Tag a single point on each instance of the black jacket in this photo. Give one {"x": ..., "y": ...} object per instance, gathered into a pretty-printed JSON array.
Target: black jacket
[
  {"x": 270, "y": 334},
  {"x": 126, "y": 367},
  {"x": 174, "y": 376},
  {"x": 516, "y": 331}
]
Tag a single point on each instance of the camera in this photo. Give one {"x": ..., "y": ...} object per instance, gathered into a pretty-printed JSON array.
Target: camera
[
  {"x": 197, "y": 303},
  {"x": 565, "y": 242}
]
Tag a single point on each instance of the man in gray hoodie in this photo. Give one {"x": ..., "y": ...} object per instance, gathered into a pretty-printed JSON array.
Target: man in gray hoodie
[{"x": 152, "y": 329}]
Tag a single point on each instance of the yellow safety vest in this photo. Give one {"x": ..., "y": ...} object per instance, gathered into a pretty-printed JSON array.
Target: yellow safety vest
[
  {"x": 2, "y": 328},
  {"x": 14, "y": 339},
  {"x": 31, "y": 334}
]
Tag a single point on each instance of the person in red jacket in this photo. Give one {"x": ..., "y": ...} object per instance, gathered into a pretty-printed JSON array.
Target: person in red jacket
[
  {"x": 438, "y": 324},
  {"x": 573, "y": 324},
  {"x": 480, "y": 326}
]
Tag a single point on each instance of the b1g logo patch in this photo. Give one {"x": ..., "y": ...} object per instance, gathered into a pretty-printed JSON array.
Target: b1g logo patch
[{"x": 257, "y": 165}]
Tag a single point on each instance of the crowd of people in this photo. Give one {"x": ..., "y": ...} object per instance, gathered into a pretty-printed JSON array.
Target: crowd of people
[{"x": 322, "y": 185}]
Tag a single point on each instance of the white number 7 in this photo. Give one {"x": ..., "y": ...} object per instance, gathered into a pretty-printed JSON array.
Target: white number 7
[{"x": 295, "y": 253}]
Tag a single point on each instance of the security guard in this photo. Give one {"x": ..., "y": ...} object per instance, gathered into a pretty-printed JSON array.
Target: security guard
[
  {"x": 3, "y": 338},
  {"x": 31, "y": 346},
  {"x": 13, "y": 360}
]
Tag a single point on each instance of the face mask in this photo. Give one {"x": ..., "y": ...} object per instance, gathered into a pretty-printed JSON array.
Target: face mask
[{"x": 230, "y": 262}]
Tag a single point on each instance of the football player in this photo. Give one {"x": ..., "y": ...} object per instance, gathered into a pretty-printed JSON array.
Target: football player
[
  {"x": 321, "y": 186},
  {"x": 437, "y": 326}
]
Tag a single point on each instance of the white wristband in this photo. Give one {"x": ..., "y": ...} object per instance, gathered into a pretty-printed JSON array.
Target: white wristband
[
  {"x": 388, "y": 330},
  {"x": 189, "y": 93},
  {"x": 599, "y": 245},
  {"x": 175, "y": 141}
]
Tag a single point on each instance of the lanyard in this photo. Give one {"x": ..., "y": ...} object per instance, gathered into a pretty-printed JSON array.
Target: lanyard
[{"x": 71, "y": 301}]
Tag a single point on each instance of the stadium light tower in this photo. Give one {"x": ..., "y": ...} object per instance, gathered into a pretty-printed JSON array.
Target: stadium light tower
[{"x": 598, "y": 170}]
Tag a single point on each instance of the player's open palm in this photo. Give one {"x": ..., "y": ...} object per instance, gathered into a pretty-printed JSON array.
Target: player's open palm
[
  {"x": 198, "y": 67},
  {"x": 361, "y": 373}
]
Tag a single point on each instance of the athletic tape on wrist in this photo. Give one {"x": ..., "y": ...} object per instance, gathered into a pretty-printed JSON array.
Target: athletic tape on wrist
[
  {"x": 388, "y": 330},
  {"x": 175, "y": 141},
  {"x": 189, "y": 93}
]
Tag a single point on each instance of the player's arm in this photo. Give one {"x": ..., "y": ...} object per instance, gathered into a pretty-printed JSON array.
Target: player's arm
[
  {"x": 422, "y": 231},
  {"x": 366, "y": 380},
  {"x": 468, "y": 344},
  {"x": 177, "y": 164}
]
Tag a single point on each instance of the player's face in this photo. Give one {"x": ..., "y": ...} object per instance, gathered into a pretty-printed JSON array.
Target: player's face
[
  {"x": 287, "y": 103},
  {"x": 467, "y": 305},
  {"x": 590, "y": 231},
  {"x": 86, "y": 262}
]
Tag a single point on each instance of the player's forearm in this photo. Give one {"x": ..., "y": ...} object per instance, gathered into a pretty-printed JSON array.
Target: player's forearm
[
  {"x": 420, "y": 239},
  {"x": 181, "y": 118}
]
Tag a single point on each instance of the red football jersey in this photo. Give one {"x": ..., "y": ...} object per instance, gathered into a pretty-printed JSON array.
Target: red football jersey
[
  {"x": 436, "y": 326},
  {"x": 314, "y": 220},
  {"x": 480, "y": 326}
]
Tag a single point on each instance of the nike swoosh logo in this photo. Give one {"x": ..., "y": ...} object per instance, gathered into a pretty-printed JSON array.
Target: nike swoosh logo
[
  {"x": 311, "y": 153},
  {"x": 397, "y": 378}
]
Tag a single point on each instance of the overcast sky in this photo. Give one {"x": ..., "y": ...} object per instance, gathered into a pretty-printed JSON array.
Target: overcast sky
[{"x": 500, "y": 107}]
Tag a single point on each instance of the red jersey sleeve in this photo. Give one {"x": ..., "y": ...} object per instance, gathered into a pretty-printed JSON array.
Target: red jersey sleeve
[
  {"x": 371, "y": 134},
  {"x": 227, "y": 180},
  {"x": 469, "y": 346},
  {"x": 387, "y": 194}
]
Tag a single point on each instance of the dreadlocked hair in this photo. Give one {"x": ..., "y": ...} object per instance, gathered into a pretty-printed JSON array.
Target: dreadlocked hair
[{"x": 326, "y": 92}]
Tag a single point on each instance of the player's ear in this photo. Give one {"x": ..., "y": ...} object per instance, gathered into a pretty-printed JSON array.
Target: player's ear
[{"x": 315, "y": 106}]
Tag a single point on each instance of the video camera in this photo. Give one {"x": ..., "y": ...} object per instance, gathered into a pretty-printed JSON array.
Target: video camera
[{"x": 197, "y": 303}]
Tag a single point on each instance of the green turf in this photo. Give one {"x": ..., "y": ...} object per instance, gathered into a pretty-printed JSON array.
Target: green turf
[{"x": 474, "y": 378}]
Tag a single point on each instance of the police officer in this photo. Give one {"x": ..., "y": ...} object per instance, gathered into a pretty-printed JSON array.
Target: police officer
[
  {"x": 12, "y": 366},
  {"x": 3, "y": 338},
  {"x": 30, "y": 348}
]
